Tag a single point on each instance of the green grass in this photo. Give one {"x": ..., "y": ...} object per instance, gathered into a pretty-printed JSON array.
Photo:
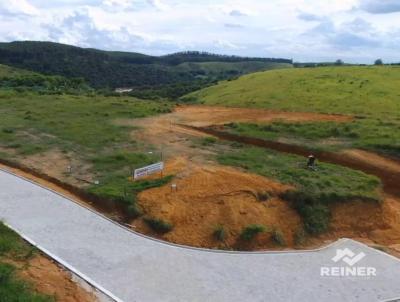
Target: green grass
[
  {"x": 11, "y": 244},
  {"x": 368, "y": 93},
  {"x": 69, "y": 121},
  {"x": 208, "y": 141},
  {"x": 278, "y": 237},
  {"x": 158, "y": 225},
  {"x": 360, "y": 133},
  {"x": 249, "y": 232},
  {"x": 115, "y": 181},
  {"x": 120, "y": 188},
  {"x": 313, "y": 190},
  {"x": 12, "y": 289},
  {"x": 219, "y": 233},
  {"x": 11, "y": 72},
  {"x": 85, "y": 128}
]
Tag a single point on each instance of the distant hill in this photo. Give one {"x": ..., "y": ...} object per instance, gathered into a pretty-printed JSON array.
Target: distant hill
[
  {"x": 342, "y": 89},
  {"x": 174, "y": 74}
]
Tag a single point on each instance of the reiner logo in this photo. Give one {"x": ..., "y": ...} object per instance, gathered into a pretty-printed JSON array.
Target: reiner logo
[
  {"x": 349, "y": 270},
  {"x": 348, "y": 256}
]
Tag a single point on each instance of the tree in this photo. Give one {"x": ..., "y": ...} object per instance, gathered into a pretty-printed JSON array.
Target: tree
[
  {"x": 379, "y": 62},
  {"x": 339, "y": 62}
]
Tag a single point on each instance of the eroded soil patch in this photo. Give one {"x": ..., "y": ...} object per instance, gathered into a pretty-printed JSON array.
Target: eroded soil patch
[{"x": 208, "y": 196}]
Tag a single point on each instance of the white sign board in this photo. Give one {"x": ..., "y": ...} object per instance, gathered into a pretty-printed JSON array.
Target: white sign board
[{"x": 148, "y": 170}]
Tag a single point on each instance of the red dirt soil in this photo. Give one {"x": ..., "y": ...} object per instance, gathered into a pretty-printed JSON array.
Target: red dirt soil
[
  {"x": 47, "y": 277},
  {"x": 208, "y": 196}
]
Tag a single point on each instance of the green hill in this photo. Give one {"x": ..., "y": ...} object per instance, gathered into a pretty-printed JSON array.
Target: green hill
[
  {"x": 369, "y": 93},
  {"x": 166, "y": 76},
  {"x": 15, "y": 79}
]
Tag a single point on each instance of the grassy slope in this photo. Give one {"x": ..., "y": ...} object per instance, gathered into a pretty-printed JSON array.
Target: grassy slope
[
  {"x": 70, "y": 122},
  {"x": 12, "y": 247},
  {"x": 369, "y": 93},
  {"x": 8, "y": 71},
  {"x": 82, "y": 128},
  {"x": 313, "y": 190}
]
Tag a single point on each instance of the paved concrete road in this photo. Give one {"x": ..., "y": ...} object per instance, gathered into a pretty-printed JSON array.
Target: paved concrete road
[{"x": 134, "y": 268}]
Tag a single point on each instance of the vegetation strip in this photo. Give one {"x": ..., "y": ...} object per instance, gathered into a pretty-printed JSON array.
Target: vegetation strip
[{"x": 13, "y": 288}]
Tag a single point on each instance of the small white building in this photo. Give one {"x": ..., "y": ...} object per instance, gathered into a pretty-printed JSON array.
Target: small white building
[{"x": 123, "y": 90}]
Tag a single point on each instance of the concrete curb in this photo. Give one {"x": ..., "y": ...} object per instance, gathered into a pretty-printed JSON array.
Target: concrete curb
[
  {"x": 66, "y": 265},
  {"x": 175, "y": 244}
]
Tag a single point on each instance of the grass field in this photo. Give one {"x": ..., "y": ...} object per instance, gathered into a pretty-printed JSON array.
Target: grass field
[
  {"x": 80, "y": 127},
  {"x": 370, "y": 94},
  {"x": 11, "y": 287},
  {"x": 313, "y": 190},
  {"x": 372, "y": 134}
]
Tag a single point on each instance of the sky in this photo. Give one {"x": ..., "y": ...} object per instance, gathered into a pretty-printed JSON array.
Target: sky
[{"x": 356, "y": 31}]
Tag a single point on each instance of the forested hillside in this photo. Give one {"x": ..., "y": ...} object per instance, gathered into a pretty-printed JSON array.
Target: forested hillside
[
  {"x": 19, "y": 80},
  {"x": 166, "y": 76}
]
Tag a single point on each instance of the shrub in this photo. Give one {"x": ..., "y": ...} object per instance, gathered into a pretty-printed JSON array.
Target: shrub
[
  {"x": 236, "y": 145},
  {"x": 6, "y": 271},
  {"x": 251, "y": 231},
  {"x": 159, "y": 225},
  {"x": 207, "y": 141},
  {"x": 278, "y": 238},
  {"x": 8, "y": 130},
  {"x": 263, "y": 196},
  {"x": 219, "y": 233},
  {"x": 300, "y": 236},
  {"x": 134, "y": 210},
  {"x": 316, "y": 217}
]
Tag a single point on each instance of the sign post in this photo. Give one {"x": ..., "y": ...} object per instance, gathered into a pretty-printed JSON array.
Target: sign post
[{"x": 142, "y": 172}]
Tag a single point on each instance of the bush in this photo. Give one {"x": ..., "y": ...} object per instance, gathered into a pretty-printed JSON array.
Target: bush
[
  {"x": 207, "y": 141},
  {"x": 300, "y": 236},
  {"x": 219, "y": 233},
  {"x": 316, "y": 217},
  {"x": 251, "y": 231},
  {"x": 263, "y": 196},
  {"x": 134, "y": 211},
  {"x": 8, "y": 130},
  {"x": 6, "y": 271},
  {"x": 278, "y": 238},
  {"x": 159, "y": 225}
]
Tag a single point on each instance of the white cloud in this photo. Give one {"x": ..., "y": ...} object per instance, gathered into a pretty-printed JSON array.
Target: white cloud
[
  {"x": 299, "y": 29},
  {"x": 237, "y": 13},
  {"x": 17, "y": 7},
  {"x": 380, "y": 6}
]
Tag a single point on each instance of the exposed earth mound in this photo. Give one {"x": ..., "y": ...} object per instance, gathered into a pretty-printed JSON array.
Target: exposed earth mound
[{"x": 211, "y": 196}]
